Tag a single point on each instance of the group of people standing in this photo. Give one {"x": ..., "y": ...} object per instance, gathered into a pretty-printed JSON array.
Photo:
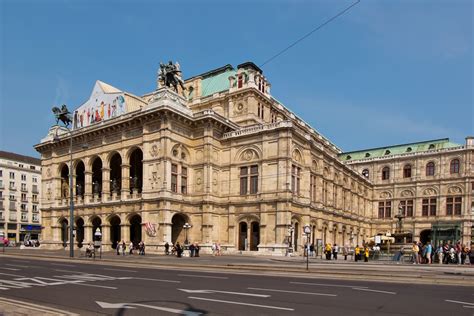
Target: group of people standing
[
  {"x": 332, "y": 251},
  {"x": 121, "y": 248},
  {"x": 446, "y": 253},
  {"x": 177, "y": 250}
]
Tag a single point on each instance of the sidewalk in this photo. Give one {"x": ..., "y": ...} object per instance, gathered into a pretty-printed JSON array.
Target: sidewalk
[{"x": 17, "y": 308}]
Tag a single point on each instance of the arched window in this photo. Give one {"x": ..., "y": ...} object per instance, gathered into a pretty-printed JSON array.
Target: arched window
[
  {"x": 430, "y": 168},
  {"x": 407, "y": 171},
  {"x": 385, "y": 173},
  {"x": 454, "y": 166}
]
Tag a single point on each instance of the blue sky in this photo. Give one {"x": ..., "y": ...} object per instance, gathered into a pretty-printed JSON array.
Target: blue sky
[{"x": 386, "y": 72}]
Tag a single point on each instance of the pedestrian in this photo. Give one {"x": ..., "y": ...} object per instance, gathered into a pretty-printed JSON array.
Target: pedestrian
[
  {"x": 345, "y": 252},
  {"x": 356, "y": 253},
  {"x": 335, "y": 251},
  {"x": 218, "y": 249},
  {"x": 196, "y": 250},
  {"x": 366, "y": 254},
  {"x": 141, "y": 247},
  {"x": 191, "y": 250},
  {"x": 414, "y": 253},
  {"x": 118, "y": 247},
  {"x": 179, "y": 250},
  {"x": 458, "y": 252},
  {"x": 131, "y": 248},
  {"x": 167, "y": 248},
  {"x": 124, "y": 247},
  {"x": 429, "y": 250},
  {"x": 311, "y": 250},
  {"x": 439, "y": 252},
  {"x": 327, "y": 251},
  {"x": 214, "y": 249}
]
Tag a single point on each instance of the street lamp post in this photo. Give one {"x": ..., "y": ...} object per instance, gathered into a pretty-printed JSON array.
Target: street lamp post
[
  {"x": 307, "y": 231},
  {"x": 186, "y": 226},
  {"x": 98, "y": 241},
  {"x": 65, "y": 117}
]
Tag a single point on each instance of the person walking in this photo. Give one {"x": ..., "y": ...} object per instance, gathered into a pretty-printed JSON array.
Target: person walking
[
  {"x": 366, "y": 254},
  {"x": 414, "y": 253},
  {"x": 191, "y": 250},
  {"x": 311, "y": 250},
  {"x": 124, "y": 247},
  {"x": 118, "y": 247},
  {"x": 327, "y": 251},
  {"x": 196, "y": 250},
  {"x": 141, "y": 247},
  {"x": 429, "y": 250},
  {"x": 345, "y": 252},
  {"x": 439, "y": 252},
  {"x": 179, "y": 250},
  {"x": 131, "y": 248},
  {"x": 356, "y": 253},
  {"x": 335, "y": 251},
  {"x": 167, "y": 248}
]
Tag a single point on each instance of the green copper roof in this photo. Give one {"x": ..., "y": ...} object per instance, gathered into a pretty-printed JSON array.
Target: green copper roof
[
  {"x": 216, "y": 83},
  {"x": 398, "y": 149}
]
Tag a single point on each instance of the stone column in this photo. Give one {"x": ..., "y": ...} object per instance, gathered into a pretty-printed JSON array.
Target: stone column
[
  {"x": 106, "y": 242},
  {"x": 88, "y": 233},
  {"x": 125, "y": 180},
  {"x": 125, "y": 233},
  {"x": 105, "y": 183},
  {"x": 87, "y": 186}
]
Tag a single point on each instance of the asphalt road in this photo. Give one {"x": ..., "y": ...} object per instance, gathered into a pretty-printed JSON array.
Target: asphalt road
[{"x": 94, "y": 289}]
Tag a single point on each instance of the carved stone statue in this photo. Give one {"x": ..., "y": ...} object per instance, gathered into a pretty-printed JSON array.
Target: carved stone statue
[
  {"x": 170, "y": 74},
  {"x": 64, "y": 189},
  {"x": 96, "y": 187},
  {"x": 135, "y": 182},
  {"x": 62, "y": 114},
  {"x": 115, "y": 187},
  {"x": 79, "y": 190}
]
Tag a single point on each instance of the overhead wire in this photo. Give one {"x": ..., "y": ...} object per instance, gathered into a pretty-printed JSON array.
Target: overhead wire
[{"x": 317, "y": 28}]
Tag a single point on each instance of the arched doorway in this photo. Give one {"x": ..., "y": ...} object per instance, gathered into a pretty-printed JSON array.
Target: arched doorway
[
  {"x": 255, "y": 236},
  {"x": 96, "y": 223},
  {"x": 97, "y": 177},
  {"x": 242, "y": 236},
  {"x": 136, "y": 229},
  {"x": 64, "y": 181},
  {"x": 115, "y": 174},
  {"x": 115, "y": 236},
  {"x": 79, "y": 232},
  {"x": 64, "y": 231},
  {"x": 177, "y": 230},
  {"x": 136, "y": 170},
  {"x": 80, "y": 179},
  {"x": 425, "y": 236}
]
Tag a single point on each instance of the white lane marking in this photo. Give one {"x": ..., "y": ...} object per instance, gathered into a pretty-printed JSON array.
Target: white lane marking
[
  {"x": 223, "y": 292},
  {"x": 202, "y": 276},
  {"x": 18, "y": 261},
  {"x": 286, "y": 291},
  {"x": 69, "y": 271},
  {"x": 101, "y": 286},
  {"x": 11, "y": 269},
  {"x": 332, "y": 285},
  {"x": 40, "y": 308},
  {"x": 465, "y": 306},
  {"x": 16, "y": 265},
  {"x": 11, "y": 274},
  {"x": 132, "y": 305},
  {"x": 120, "y": 270},
  {"x": 376, "y": 291},
  {"x": 460, "y": 302},
  {"x": 156, "y": 280},
  {"x": 62, "y": 265},
  {"x": 240, "y": 303}
]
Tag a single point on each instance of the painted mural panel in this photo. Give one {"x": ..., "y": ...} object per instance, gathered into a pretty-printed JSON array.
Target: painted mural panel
[{"x": 100, "y": 106}]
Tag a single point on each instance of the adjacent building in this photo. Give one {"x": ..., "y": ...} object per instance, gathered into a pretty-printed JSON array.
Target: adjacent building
[
  {"x": 20, "y": 197},
  {"x": 223, "y": 161}
]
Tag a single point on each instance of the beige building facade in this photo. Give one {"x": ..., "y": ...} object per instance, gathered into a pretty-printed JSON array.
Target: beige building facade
[
  {"x": 20, "y": 195},
  {"x": 225, "y": 157}
]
